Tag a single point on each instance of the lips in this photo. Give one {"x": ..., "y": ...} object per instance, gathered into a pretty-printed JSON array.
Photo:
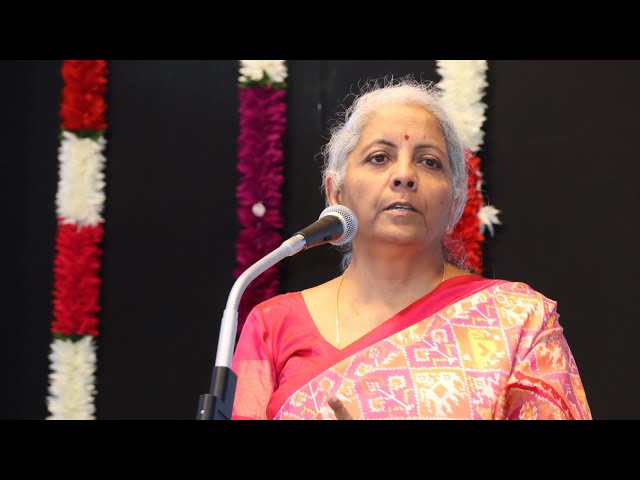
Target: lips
[{"x": 402, "y": 206}]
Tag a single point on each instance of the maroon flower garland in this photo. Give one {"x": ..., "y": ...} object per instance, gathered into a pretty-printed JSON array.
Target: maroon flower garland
[{"x": 260, "y": 164}]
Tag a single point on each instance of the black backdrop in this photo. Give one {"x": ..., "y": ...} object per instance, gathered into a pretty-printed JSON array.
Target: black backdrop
[{"x": 559, "y": 159}]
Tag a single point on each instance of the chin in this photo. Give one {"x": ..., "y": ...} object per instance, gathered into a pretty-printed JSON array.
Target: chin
[{"x": 404, "y": 238}]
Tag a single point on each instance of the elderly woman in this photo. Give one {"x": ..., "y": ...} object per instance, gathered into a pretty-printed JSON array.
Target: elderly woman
[{"x": 404, "y": 333}]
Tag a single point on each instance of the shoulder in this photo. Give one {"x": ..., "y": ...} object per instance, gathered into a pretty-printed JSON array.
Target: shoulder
[
  {"x": 522, "y": 291},
  {"x": 521, "y": 300},
  {"x": 273, "y": 314},
  {"x": 279, "y": 304}
]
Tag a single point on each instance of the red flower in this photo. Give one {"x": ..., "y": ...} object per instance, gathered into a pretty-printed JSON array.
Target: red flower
[
  {"x": 468, "y": 228},
  {"x": 83, "y": 104},
  {"x": 76, "y": 283}
]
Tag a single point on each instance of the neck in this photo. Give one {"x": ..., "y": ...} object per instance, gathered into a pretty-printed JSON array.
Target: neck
[{"x": 393, "y": 277}]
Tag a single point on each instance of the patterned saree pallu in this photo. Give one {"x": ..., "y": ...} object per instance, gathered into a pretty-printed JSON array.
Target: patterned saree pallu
[{"x": 500, "y": 353}]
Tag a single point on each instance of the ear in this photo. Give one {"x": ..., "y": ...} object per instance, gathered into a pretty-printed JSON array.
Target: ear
[{"x": 332, "y": 193}]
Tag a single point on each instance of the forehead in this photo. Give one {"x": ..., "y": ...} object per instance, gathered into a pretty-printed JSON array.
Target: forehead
[{"x": 403, "y": 119}]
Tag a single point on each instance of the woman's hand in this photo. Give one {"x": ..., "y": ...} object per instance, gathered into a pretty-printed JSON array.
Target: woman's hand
[{"x": 339, "y": 409}]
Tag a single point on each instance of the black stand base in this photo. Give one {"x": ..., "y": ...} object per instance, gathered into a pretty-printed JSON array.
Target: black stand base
[{"x": 218, "y": 404}]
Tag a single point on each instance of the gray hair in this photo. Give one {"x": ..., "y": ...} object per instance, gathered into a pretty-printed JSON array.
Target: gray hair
[{"x": 346, "y": 135}]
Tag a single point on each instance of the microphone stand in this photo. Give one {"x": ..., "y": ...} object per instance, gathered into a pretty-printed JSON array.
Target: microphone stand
[{"x": 218, "y": 403}]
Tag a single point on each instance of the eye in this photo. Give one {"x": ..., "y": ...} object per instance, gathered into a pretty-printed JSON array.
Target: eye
[
  {"x": 377, "y": 159},
  {"x": 431, "y": 162}
]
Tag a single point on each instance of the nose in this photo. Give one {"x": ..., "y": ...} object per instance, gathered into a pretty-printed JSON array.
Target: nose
[
  {"x": 397, "y": 182},
  {"x": 404, "y": 176}
]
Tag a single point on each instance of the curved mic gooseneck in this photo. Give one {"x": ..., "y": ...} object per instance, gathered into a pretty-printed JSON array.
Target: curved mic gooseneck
[{"x": 337, "y": 225}]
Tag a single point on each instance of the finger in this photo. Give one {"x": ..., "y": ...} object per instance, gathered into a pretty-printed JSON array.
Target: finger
[{"x": 339, "y": 409}]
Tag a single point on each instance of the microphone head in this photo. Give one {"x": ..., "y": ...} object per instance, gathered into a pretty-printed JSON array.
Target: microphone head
[{"x": 348, "y": 220}]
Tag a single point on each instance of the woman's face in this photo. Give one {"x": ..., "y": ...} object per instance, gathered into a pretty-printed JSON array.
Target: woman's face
[{"x": 398, "y": 181}]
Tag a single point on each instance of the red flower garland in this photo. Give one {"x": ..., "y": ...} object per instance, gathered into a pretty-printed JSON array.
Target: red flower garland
[
  {"x": 83, "y": 104},
  {"x": 76, "y": 283},
  {"x": 467, "y": 230},
  {"x": 260, "y": 163}
]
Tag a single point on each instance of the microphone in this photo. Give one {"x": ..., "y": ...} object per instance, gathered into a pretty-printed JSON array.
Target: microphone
[{"x": 336, "y": 225}]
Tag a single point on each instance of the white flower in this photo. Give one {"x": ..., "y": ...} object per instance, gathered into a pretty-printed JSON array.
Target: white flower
[
  {"x": 463, "y": 83},
  {"x": 258, "y": 209},
  {"x": 276, "y": 69},
  {"x": 488, "y": 216},
  {"x": 72, "y": 380},
  {"x": 80, "y": 197},
  {"x": 251, "y": 70},
  {"x": 255, "y": 70}
]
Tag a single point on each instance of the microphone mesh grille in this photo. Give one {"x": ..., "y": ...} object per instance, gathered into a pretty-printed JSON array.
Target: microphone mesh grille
[{"x": 348, "y": 219}]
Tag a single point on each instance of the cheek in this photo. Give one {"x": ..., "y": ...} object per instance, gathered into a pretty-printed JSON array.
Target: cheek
[
  {"x": 353, "y": 190},
  {"x": 445, "y": 202}
]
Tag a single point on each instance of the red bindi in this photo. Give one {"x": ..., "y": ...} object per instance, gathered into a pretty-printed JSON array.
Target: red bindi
[{"x": 406, "y": 137}]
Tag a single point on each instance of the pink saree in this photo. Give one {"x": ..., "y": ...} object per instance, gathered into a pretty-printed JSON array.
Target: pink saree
[{"x": 471, "y": 349}]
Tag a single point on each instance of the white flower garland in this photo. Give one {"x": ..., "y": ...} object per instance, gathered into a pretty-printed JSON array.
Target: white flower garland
[
  {"x": 72, "y": 380},
  {"x": 463, "y": 83},
  {"x": 80, "y": 197},
  {"x": 255, "y": 70}
]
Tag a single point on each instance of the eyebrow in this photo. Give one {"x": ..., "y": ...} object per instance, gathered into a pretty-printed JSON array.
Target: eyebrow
[{"x": 382, "y": 141}]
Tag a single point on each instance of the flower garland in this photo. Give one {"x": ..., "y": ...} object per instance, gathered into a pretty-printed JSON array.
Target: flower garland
[
  {"x": 79, "y": 201},
  {"x": 260, "y": 163},
  {"x": 463, "y": 83}
]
